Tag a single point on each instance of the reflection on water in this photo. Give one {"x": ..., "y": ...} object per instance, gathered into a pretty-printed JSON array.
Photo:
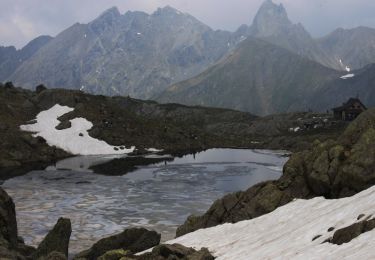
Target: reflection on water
[{"x": 158, "y": 197}]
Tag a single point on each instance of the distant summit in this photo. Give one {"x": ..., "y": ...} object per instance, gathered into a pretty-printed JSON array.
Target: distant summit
[
  {"x": 111, "y": 12},
  {"x": 272, "y": 24},
  {"x": 167, "y": 10},
  {"x": 269, "y": 20}
]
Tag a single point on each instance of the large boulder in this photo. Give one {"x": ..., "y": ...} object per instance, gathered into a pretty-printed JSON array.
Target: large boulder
[
  {"x": 8, "y": 223},
  {"x": 346, "y": 234},
  {"x": 57, "y": 240},
  {"x": 133, "y": 239},
  {"x": 333, "y": 169},
  {"x": 11, "y": 246}
]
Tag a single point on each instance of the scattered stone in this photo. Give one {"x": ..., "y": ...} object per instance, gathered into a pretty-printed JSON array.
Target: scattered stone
[
  {"x": 346, "y": 234},
  {"x": 65, "y": 124},
  {"x": 56, "y": 240},
  {"x": 133, "y": 239},
  {"x": 80, "y": 134},
  {"x": 176, "y": 251},
  {"x": 360, "y": 216},
  {"x": 316, "y": 237},
  {"x": 331, "y": 229}
]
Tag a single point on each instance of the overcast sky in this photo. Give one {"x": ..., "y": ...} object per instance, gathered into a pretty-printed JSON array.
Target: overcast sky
[{"x": 23, "y": 20}]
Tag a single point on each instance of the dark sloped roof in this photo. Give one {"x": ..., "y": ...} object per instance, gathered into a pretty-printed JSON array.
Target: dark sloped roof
[{"x": 348, "y": 105}]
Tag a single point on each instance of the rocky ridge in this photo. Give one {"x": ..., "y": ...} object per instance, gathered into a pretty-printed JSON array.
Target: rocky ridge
[{"x": 135, "y": 53}]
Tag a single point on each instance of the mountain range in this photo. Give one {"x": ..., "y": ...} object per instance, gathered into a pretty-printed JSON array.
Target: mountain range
[
  {"x": 270, "y": 66},
  {"x": 132, "y": 54}
]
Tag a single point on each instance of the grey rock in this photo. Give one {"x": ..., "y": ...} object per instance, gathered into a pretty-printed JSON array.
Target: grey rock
[
  {"x": 133, "y": 239},
  {"x": 57, "y": 240}
]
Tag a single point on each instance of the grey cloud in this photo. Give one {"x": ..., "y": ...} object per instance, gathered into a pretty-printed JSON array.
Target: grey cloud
[{"x": 23, "y": 20}]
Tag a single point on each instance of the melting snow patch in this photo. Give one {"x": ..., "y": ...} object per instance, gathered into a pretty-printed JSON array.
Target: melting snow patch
[
  {"x": 347, "y": 76},
  {"x": 294, "y": 231},
  {"x": 74, "y": 140},
  {"x": 347, "y": 69},
  {"x": 153, "y": 150},
  {"x": 138, "y": 33}
]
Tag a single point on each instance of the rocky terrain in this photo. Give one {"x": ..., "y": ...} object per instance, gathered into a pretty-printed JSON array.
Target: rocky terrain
[
  {"x": 334, "y": 169},
  {"x": 176, "y": 129}
]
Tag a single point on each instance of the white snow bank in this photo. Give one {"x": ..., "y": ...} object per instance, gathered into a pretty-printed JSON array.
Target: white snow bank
[
  {"x": 74, "y": 140},
  {"x": 287, "y": 232},
  {"x": 347, "y": 76}
]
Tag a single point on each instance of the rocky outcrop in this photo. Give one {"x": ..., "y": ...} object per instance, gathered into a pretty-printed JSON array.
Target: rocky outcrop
[
  {"x": 8, "y": 223},
  {"x": 115, "y": 254},
  {"x": 174, "y": 251},
  {"x": 56, "y": 256},
  {"x": 346, "y": 234},
  {"x": 133, "y": 240},
  {"x": 11, "y": 246},
  {"x": 57, "y": 240},
  {"x": 333, "y": 169}
]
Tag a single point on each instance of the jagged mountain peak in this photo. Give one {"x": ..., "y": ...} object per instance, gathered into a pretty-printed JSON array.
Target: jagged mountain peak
[
  {"x": 269, "y": 18},
  {"x": 113, "y": 11},
  {"x": 167, "y": 10},
  {"x": 110, "y": 14}
]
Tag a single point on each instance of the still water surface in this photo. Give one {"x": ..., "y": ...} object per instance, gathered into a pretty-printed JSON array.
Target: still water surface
[{"x": 158, "y": 197}]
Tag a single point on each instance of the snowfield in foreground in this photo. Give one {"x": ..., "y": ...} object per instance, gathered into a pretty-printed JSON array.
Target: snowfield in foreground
[
  {"x": 74, "y": 140},
  {"x": 288, "y": 232}
]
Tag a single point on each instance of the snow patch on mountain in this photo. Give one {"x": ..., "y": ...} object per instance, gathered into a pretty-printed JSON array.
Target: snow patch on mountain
[
  {"x": 295, "y": 231},
  {"x": 76, "y": 139},
  {"x": 347, "y": 68},
  {"x": 347, "y": 76}
]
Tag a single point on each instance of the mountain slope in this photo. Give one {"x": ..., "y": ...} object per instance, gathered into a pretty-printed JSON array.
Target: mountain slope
[
  {"x": 10, "y": 58},
  {"x": 134, "y": 53},
  {"x": 354, "y": 47},
  {"x": 272, "y": 24},
  {"x": 339, "y": 90},
  {"x": 258, "y": 77}
]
